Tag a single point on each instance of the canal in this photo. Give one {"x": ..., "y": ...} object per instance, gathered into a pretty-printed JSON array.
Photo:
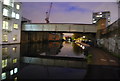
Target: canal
[{"x": 52, "y": 60}]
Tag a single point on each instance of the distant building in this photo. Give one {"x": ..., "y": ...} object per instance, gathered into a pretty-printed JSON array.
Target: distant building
[
  {"x": 10, "y": 22},
  {"x": 99, "y": 15}
]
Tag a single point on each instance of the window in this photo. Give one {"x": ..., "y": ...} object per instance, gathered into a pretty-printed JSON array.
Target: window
[
  {"x": 11, "y": 72},
  {"x": 12, "y": 4},
  {"x": 5, "y": 38},
  {"x": 3, "y": 76},
  {"x": 15, "y": 38},
  {"x": 15, "y": 79},
  {"x": 17, "y": 16},
  {"x": 4, "y": 51},
  {"x": 17, "y": 6},
  {"x": 14, "y": 49},
  {"x": 16, "y": 26},
  {"x": 4, "y": 63},
  {"x": 13, "y": 14},
  {"x": 15, "y": 70},
  {"x": 14, "y": 61},
  {"x": 5, "y": 25},
  {"x": 5, "y": 12},
  {"x": 6, "y": 2}
]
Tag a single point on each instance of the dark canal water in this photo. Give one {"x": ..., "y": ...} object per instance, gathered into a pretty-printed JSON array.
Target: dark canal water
[{"x": 53, "y": 60}]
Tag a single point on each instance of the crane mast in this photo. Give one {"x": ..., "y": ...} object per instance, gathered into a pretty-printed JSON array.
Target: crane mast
[{"x": 48, "y": 14}]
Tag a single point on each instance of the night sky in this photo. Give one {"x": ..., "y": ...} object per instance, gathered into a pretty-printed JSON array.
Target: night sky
[{"x": 67, "y": 12}]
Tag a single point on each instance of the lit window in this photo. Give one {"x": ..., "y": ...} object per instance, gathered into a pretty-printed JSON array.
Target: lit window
[
  {"x": 16, "y": 26},
  {"x": 15, "y": 38},
  {"x": 6, "y": 2},
  {"x": 5, "y": 38},
  {"x": 11, "y": 72},
  {"x": 4, "y": 51},
  {"x": 14, "y": 49},
  {"x": 12, "y": 4},
  {"x": 14, "y": 60},
  {"x": 13, "y": 14},
  {"x": 3, "y": 76},
  {"x": 17, "y": 6},
  {"x": 5, "y": 12},
  {"x": 4, "y": 63},
  {"x": 15, "y": 70},
  {"x": 97, "y": 15},
  {"x": 5, "y": 25},
  {"x": 17, "y": 16},
  {"x": 15, "y": 79}
]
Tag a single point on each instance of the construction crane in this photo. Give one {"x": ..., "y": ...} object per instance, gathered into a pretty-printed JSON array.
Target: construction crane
[{"x": 48, "y": 14}]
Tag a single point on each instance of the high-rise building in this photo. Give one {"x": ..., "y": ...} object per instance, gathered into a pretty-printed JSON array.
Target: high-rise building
[
  {"x": 99, "y": 15},
  {"x": 10, "y": 21}
]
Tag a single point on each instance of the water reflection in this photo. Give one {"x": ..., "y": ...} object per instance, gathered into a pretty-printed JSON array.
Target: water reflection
[
  {"x": 16, "y": 58},
  {"x": 77, "y": 50},
  {"x": 61, "y": 49},
  {"x": 10, "y": 61}
]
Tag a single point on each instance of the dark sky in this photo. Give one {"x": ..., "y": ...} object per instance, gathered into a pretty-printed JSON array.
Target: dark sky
[{"x": 67, "y": 12}]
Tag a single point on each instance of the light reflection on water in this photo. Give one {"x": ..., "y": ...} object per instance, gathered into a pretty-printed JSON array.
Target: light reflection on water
[
  {"x": 63, "y": 49},
  {"x": 16, "y": 58}
]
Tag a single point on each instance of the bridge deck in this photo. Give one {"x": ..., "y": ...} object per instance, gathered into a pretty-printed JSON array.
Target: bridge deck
[{"x": 60, "y": 27}]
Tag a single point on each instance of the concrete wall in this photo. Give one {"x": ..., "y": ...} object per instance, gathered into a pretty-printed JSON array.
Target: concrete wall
[
  {"x": 111, "y": 40},
  {"x": 60, "y": 27}
]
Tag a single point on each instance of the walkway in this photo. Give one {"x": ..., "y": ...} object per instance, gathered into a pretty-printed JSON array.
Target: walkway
[
  {"x": 99, "y": 57},
  {"x": 103, "y": 66}
]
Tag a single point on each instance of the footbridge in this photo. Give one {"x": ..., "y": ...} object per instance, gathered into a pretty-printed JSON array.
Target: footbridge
[{"x": 54, "y": 27}]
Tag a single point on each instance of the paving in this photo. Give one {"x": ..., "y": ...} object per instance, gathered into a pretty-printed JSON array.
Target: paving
[
  {"x": 100, "y": 57},
  {"x": 102, "y": 65}
]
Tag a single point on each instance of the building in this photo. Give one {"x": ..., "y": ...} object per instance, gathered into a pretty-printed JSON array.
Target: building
[
  {"x": 10, "y": 22},
  {"x": 98, "y": 15}
]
